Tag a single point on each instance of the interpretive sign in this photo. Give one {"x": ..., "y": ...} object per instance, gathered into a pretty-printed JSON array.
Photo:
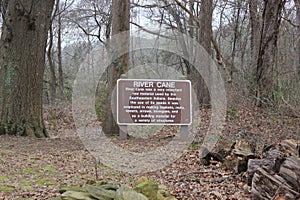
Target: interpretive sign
[{"x": 147, "y": 101}]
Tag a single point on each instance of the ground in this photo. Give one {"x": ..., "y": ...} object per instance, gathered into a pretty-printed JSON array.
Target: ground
[{"x": 35, "y": 168}]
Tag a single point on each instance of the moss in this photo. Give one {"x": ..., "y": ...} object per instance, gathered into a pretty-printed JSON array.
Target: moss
[
  {"x": 49, "y": 169},
  {"x": 43, "y": 181},
  {"x": 30, "y": 171},
  {"x": 5, "y": 151},
  {"x": 27, "y": 182},
  {"x": 27, "y": 187},
  {"x": 7, "y": 189},
  {"x": 3, "y": 178}
]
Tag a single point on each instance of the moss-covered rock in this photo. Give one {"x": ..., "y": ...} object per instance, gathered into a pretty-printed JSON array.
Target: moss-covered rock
[
  {"x": 100, "y": 193},
  {"x": 160, "y": 196},
  {"x": 72, "y": 195},
  {"x": 129, "y": 194},
  {"x": 145, "y": 190},
  {"x": 141, "y": 180},
  {"x": 149, "y": 188},
  {"x": 63, "y": 189}
]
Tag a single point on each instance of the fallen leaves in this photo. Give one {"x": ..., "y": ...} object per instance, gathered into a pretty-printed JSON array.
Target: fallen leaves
[{"x": 36, "y": 168}]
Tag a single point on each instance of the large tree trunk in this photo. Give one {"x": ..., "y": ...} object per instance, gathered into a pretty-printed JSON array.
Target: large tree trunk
[
  {"x": 297, "y": 3},
  {"x": 22, "y": 62},
  {"x": 120, "y": 23},
  {"x": 267, "y": 51},
  {"x": 205, "y": 35}
]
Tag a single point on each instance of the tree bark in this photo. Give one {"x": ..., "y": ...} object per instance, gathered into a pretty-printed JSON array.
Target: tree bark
[
  {"x": 120, "y": 23},
  {"x": 59, "y": 55},
  {"x": 297, "y": 3},
  {"x": 236, "y": 36},
  {"x": 22, "y": 63},
  {"x": 255, "y": 22},
  {"x": 205, "y": 35},
  {"x": 51, "y": 66},
  {"x": 267, "y": 51}
]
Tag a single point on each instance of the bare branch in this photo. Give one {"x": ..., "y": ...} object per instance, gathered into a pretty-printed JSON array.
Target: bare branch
[
  {"x": 220, "y": 60},
  {"x": 189, "y": 12},
  {"x": 147, "y": 6},
  {"x": 148, "y": 31},
  {"x": 86, "y": 32},
  {"x": 290, "y": 22}
]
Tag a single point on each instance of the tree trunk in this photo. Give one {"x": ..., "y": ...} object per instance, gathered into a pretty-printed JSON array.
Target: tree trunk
[
  {"x": 205, "y": 35},
  {"x": 255, "y": 22},
  {"x": 51, "y": 66},
  {"x": 120, "y": 23},
  {"x": 267, "y": 51},
  {"x": 297, "y": 3},
  {"x": 22, "y": 63},
  {"x": 236, "y": 36},
  {"x": 59, "y": 55}
]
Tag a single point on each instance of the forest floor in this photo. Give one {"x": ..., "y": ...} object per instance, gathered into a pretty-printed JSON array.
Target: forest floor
[{"x": 36, "y": 168}]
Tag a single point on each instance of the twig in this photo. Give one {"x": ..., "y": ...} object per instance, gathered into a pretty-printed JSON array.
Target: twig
[
  {"x": 208, "y": 180},
  {"x": 200, "y": 172}
]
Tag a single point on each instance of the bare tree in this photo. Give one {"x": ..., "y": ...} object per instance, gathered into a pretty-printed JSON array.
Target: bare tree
[
  {"x": 120, "y": 23},
  {"x": 22, "y": 62},
  {"x": 205, "y": 36},
  {"x": 50, "y": 54},
  {"x": 268, "y": 46}
]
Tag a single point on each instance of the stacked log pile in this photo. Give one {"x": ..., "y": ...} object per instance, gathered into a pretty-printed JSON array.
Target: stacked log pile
[
  {"x": 273, "y": 175},
  {"x": 277, "y": 174}
]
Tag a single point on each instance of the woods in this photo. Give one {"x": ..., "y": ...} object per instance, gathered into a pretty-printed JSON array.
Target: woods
[{"x": 252, "y": 47}]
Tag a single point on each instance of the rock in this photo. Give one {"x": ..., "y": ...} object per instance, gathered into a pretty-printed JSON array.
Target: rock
[
  {"x": 162, "y": 189},
  {"x": 70, "y": 188},
  {"x": 170, "y": 198},
  {"x": 73, "y": 195},
  {"x": 141, "y": 180},
  {"x": 129, "y": 194},
  {"x": 100, "y": 193},
  {"x": 109, "y": 187},
  {"x": 160, "y": 196},
  {"x": 148, "y": 188}
]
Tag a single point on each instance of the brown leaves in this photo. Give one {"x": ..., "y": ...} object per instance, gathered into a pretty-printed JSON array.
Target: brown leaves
[{"x": 36, "y": 168}]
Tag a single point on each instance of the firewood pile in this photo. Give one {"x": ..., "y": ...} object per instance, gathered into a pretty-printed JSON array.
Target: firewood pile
[
  {"x": 277, "y": 174},
  {"x": 273, "y": 174}
]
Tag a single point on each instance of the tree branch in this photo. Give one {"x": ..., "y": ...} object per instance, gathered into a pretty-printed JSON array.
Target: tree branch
[{"x": 151, "y": 32}]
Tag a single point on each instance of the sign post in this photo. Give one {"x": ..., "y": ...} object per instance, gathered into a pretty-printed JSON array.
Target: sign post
[{"x": 154, "y": 102}]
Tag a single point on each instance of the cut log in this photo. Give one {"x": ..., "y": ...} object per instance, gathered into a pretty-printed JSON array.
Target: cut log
[
  {"x": 254, "y": 164},
  {"x": 290, "y": 171},
  {"x": 277, "y": 175}
]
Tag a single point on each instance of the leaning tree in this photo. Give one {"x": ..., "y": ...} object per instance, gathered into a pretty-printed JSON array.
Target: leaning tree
[{"x": 22, "y": 62}]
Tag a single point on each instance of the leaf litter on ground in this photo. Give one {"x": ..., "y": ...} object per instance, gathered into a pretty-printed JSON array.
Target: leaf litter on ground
[{"x": 36, "y": 168}]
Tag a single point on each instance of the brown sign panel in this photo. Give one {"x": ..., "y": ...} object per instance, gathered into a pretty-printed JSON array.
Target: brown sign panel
[{"x": 147, "y": 101}]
